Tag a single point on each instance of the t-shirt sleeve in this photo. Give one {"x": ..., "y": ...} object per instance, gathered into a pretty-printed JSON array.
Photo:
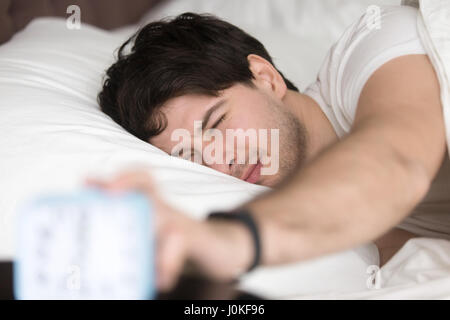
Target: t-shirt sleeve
[{"x": 380, "y": 35}]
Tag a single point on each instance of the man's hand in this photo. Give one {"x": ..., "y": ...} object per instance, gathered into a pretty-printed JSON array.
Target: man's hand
[
  {"x": 183, "y": 244},
  {"x": 170, "y": 225}
]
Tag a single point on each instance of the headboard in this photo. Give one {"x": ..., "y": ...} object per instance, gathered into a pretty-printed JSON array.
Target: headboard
[{"x": 106, "y": 14}]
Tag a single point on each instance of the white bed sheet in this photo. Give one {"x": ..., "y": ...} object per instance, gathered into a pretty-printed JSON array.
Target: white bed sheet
[{"x": 420, "y": 270}]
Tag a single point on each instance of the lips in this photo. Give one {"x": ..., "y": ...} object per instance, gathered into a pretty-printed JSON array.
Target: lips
[{"x": 253, "y": 173}]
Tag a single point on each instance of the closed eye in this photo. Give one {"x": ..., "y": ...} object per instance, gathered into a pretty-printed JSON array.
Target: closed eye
[{"x": 219, "y": 121}]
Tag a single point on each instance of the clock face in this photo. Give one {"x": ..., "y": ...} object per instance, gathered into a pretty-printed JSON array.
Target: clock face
[{"x": 88, "y": 245}]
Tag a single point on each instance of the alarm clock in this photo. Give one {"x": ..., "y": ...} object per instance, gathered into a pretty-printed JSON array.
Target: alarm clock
[{"x": 87, "y": 244}]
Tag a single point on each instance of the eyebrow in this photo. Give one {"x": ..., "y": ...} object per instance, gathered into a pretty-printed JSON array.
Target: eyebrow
[{"x": 210, "y": 111}]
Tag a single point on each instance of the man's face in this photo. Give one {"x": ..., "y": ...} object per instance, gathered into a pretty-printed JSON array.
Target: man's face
[{"x": 264, "y": 161}]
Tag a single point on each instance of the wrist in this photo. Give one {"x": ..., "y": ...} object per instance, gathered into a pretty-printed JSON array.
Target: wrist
[
  {"x": 237, "y": 242},
  {"x": 222, "y": 250}
]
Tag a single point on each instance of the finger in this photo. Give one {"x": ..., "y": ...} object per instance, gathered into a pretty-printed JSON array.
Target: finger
[
  {"x": 170, "y": 260},
  {"x": 134, "y": 179},
  {"x": 141, "y": 181},
  {"x": 94, "y": 182},
  {"x": 137, "y": 179}
]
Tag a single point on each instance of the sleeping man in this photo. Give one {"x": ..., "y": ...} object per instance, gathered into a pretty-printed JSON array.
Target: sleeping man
[{"x": 362, "y": 149}]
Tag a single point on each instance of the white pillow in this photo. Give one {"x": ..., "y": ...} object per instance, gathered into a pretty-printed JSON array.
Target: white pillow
[
  {"x": 53, "y": 135},
  {"x": 297, "y": 33}
]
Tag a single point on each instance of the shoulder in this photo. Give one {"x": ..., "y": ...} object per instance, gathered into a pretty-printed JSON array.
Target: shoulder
[{"x": 381, "y": 34}]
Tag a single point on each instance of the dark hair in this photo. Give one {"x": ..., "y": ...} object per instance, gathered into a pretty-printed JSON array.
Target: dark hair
[{"x": 189, "y": 54}]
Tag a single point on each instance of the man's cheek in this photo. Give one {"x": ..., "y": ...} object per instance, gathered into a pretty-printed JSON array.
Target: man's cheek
[{"x": 270, "y": 161}]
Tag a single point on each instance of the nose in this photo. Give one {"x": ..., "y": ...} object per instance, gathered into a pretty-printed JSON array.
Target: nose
[{"x": 226, "y": 163}]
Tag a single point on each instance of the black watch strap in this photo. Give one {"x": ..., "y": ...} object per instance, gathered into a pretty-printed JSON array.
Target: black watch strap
[{"x": 244, "y": 216}]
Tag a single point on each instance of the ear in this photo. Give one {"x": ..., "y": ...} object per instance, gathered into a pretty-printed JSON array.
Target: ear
[{"x": 266, "y": 76}]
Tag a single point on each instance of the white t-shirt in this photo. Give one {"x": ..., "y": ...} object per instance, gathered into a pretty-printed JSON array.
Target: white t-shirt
[{"x": 360, "y": 51}]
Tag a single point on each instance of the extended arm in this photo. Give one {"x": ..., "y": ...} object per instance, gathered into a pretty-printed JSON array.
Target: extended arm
[
  {"x": 355, "y": 190},
  {"x": 350, "y": 193}
]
